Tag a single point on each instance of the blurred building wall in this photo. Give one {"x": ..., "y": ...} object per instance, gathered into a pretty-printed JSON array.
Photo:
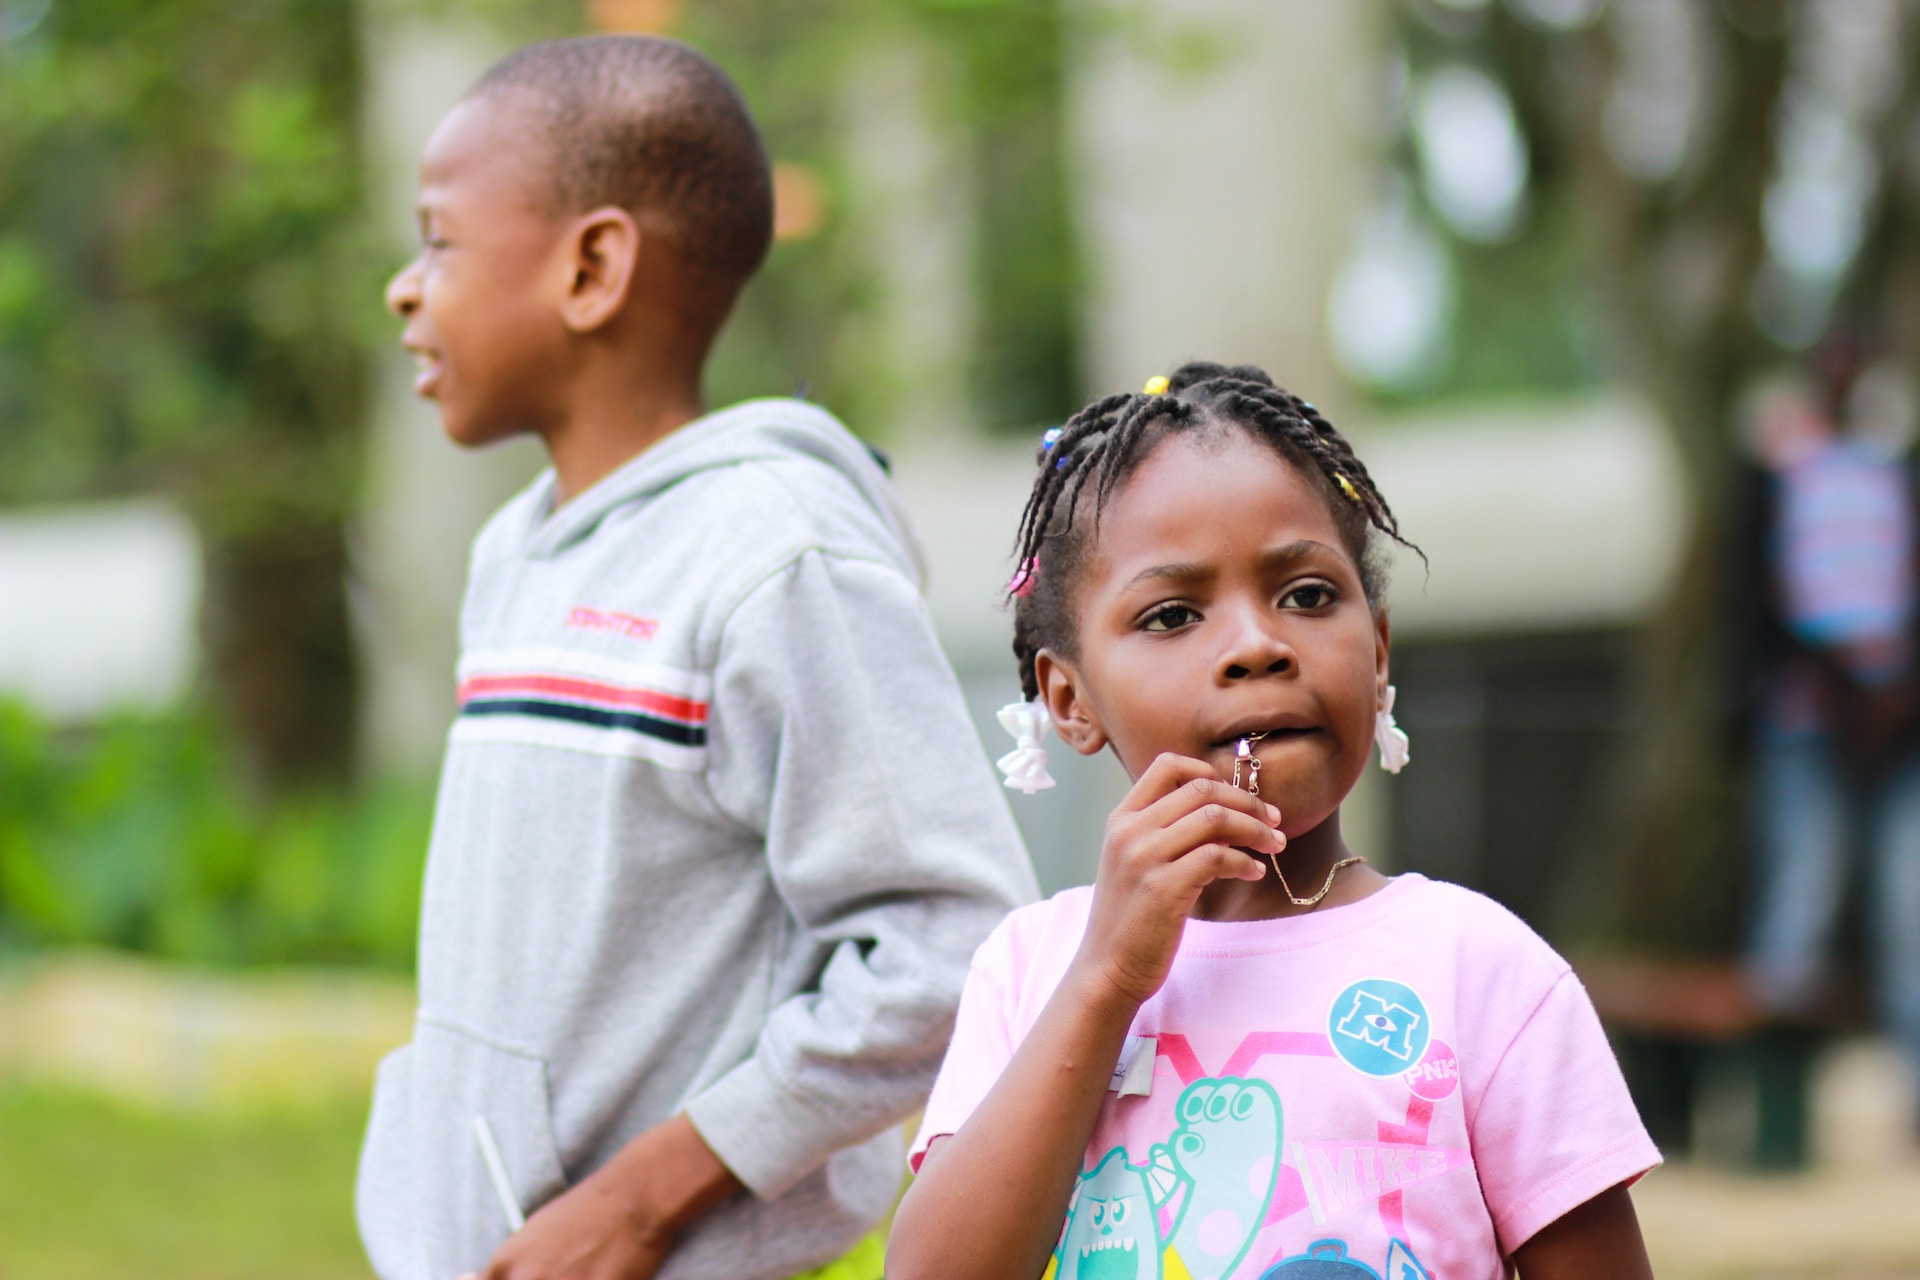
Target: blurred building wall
[
  {"x": 1216, "y": 180},
  {"x": 1543, "y": 516},
  {"x": 99, "y": 608},
  {"x": 910, "y": 199}
]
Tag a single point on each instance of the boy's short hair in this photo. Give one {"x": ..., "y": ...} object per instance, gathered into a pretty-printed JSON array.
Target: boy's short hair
[{"x": 654, "y": 127}]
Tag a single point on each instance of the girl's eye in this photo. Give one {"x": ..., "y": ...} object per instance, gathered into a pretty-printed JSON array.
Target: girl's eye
[
  {"x": 1169, "y": 617},
  {"x": 1309, "y": 596}
]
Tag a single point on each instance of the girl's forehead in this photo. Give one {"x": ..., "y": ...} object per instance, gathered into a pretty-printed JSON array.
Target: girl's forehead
[{"x": 1216, "y": 495}]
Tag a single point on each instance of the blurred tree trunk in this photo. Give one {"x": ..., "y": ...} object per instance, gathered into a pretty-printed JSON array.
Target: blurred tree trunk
[
  {"x": 279, "y": 650},
  {"x": 1678, "y": 263},
  {"x": 1679, "y": 273}
]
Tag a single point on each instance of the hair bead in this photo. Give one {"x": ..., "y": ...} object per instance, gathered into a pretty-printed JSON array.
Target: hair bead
[{"x": 1020, "y": 586}]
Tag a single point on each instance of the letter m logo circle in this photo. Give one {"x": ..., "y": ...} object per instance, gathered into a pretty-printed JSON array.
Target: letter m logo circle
[{"x": 1379, "y": 1026}]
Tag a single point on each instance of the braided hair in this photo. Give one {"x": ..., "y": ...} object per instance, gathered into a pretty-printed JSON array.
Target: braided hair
[{"x": 1103, "y": 444}]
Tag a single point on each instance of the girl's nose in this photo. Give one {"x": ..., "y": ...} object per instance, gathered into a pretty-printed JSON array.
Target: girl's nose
[{"x": 1256, "y": 649}]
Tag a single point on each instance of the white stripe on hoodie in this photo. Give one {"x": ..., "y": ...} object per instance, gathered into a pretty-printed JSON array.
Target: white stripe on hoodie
[{"x": 714, "y": 835}]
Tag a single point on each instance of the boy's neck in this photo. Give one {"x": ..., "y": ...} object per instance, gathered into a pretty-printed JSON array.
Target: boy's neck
[
  {"x": 600, "y": 438},
  {"x": 632, "y": 386}
]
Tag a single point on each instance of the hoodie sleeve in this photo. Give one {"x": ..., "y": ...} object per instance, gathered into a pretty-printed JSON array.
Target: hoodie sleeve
[{"x": 839, "y": 732}]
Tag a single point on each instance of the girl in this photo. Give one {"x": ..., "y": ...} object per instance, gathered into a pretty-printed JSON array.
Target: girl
[{"x": 1244, "y": 1053}]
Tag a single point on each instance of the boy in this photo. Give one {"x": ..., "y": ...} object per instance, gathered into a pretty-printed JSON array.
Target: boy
[{"x": 714, "y": 840}]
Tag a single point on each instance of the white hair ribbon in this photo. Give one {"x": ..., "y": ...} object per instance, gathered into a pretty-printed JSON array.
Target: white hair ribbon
[
  {"x": 1390, "y": 738},
  {"x": 1025, "y": 765}
]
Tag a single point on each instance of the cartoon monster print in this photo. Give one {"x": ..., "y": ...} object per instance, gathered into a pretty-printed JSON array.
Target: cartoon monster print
[
  {"x": 1227, "y": 1152},
  {"x": 1113, "y": 1232},
  {"x": 1328, "y": 1260},
  {"x": 1224, "y": 1155}
]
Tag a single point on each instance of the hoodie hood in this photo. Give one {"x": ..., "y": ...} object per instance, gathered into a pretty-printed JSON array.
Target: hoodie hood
[{"x": 773, "y": 429}]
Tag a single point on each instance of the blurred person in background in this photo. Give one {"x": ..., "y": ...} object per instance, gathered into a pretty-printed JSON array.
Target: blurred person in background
[{"x": 1826, "y": 593}]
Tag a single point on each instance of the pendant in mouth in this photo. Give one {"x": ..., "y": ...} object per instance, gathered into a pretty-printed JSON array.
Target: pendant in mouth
[{"x": 1243, "y": 757}]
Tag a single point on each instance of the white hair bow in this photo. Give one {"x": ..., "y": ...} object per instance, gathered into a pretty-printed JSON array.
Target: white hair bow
[
  {"x": 1390, "y": 738},
  {"x": 1025, "y": 765}
]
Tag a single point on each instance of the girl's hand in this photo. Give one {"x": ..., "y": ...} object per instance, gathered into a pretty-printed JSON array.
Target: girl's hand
[{"x": 1170, "y": 838}]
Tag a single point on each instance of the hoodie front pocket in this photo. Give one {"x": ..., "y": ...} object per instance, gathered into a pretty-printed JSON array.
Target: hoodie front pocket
[{"x": 458, "y": 1078}]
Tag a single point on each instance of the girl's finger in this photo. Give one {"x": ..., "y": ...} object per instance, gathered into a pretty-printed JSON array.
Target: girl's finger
[
  {"x": 1212, "y": 824},
  {"x": 1166, "y": 775},
  {"x": 1202, "y": 866},
  {"x": 1197, "y": 793}
]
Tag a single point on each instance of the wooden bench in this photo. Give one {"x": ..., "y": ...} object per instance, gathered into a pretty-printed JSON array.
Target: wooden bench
[{"x": 1683, "y": 1024}]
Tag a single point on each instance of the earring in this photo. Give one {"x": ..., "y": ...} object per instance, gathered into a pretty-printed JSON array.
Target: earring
[
  {"x": 1025, "y": 766},
  {"x": 1390, "y": 737}
]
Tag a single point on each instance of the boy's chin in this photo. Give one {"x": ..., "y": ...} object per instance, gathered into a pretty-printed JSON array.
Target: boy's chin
[{"x": 469, "y": 433}]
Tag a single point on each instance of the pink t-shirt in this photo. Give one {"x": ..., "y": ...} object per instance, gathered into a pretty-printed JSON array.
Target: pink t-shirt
[{"x": 1407, "y": 1087}]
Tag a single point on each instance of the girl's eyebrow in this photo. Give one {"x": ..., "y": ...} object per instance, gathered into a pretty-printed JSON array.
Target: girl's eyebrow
[
  {"x": 1195, "y": 570},
  {"x": 1298, "y": 550},
  {"x": 1183, "y": 571}
]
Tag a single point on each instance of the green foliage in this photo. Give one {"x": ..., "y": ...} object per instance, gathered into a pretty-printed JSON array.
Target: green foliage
[
  {"x": 1002, "y": 101},
  {"x": 794, "y": 323},
  {"x": 186, "y": 272},
  {"x": 186, "y": 287},
  {"x": 1528, "y": 316},
  {"x": 1010, "y": 57},
  {"x": 138, "y": 836},
  {"x": 183, "y": 275}
]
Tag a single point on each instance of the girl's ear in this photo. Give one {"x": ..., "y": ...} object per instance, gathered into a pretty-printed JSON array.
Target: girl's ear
[
  {"x": 1382, "y": 645},
  {"x": 1073, "y": 719}
]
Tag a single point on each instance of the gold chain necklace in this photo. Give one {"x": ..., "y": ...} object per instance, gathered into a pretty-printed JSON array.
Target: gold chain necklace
[{"x": 1243, "y": 755}]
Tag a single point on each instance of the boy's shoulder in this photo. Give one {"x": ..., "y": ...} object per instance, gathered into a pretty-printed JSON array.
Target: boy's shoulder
[
  {"x": 757, "y": 483},
  {"x": 791, "y": 468},
  {"x": 515, "y": 521},
  {"x": 725, "y": 501}
]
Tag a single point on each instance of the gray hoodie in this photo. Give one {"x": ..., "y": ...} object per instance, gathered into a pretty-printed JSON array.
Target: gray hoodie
[{"x": 714, "y": 835}]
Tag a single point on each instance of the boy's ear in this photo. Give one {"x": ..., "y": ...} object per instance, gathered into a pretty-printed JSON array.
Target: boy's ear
[
  {"x": 1382, "y": 646},
  {"x": 1073, "y": 719},
  {"x": 603, "y": 251}
]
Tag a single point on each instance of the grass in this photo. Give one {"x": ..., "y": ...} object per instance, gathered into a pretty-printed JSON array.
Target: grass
[{"x": 92, "y": 1189}]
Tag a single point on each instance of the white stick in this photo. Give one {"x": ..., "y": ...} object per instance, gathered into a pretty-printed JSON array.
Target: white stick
[{"x": 497, "y": 1170}]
